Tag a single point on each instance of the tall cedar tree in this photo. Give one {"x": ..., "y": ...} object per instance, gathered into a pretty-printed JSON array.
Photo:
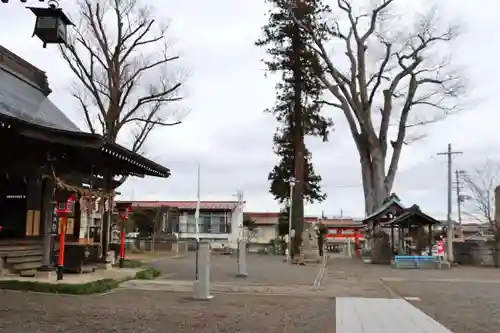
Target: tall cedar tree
[{"x": 296, "y": 109}]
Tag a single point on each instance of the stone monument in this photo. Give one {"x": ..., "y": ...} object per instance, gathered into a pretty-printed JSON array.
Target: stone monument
[{"x": 309, "y": 250}]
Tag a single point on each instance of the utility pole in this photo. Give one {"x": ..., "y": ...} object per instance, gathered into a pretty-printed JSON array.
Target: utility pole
[
  {"x": 291, "y": 235},
  {"x": 459, "y": 197},
  {"x": 450, "y": 234}
]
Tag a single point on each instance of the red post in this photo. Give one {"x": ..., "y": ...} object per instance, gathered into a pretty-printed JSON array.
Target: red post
[
  {"x": 60, "y": 261},
  {"x": 122, "y": 246}
]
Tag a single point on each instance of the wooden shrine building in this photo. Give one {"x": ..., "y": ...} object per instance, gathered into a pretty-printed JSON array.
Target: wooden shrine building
[
  {"x": 46, "y": 157},
  {"x": 394, "y": 229}
]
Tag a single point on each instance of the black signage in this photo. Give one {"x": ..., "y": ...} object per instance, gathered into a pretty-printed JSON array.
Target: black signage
[{"x": 54, "y": 228}]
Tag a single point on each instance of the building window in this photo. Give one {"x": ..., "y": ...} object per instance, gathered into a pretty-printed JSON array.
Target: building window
[
  {"x": 182, "y": 226},
  {"x": 209, "y": 222},
  {"x": 163, "y": 226},
  {"x": 224, "y": 224},
  {"x": 214, "y": 224},
  {"x": 191, "y": 223},
  {"x": 173, "y": 224},
  {"x": 205, "y": 224}
]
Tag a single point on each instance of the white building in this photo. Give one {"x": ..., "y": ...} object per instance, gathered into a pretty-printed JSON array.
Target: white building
[{"x": 220, "y": 221}]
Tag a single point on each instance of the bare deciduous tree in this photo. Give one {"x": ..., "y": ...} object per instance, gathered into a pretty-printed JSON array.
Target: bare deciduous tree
[
  {"x": 481, "y": 183},
  {"x": 125, "y": 71},
  {"x": 126, "y": 76},
  {"x": 394, "y": 77}
]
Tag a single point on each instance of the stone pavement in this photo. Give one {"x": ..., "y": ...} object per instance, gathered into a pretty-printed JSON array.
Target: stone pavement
[
  {"x": 379, "y": 315},
  {"x": 228, "y": 288}
]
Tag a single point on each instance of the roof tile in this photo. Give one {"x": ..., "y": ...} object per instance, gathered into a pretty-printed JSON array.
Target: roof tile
[{"x": 21, "y": 100}]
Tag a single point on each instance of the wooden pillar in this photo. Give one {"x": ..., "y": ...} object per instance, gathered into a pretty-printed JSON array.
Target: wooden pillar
[
  {"x": 408, "y": 247},
  {"x": 106, "y": 216},
  {"x": 78, "y": 220},
  {"x": 496, "y": 249},
  {"x": 392, "y": 240},
  {"x": 33, "y": 207},
  {"x": 400, "y": 240},
  {"x": 430, "y": 239},
  {"x": 48, "y": 221}
]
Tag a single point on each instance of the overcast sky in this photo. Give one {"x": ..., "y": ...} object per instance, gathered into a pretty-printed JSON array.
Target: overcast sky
[{"x": 230, "y": 136}]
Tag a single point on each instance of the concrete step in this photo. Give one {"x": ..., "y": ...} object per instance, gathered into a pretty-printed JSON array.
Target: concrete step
[
  {"x": 16, "y": 248},
  {"x": 24, "y": 253},
  {"x": 89, "y": 269},
  {"x": 28, "y": 273},
  {"x": 26, "y": 266},
  {"x": 37, "y": 257}
]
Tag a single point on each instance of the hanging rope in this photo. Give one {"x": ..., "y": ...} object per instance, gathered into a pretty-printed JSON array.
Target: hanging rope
[{"x": 86, "y": 192}]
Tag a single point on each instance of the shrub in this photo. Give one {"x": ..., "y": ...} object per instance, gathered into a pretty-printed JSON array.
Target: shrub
[
  {"x": 150, "y": 273},
  {"x": 95, "y": 287},
  {"x": 129, "y": 263}
]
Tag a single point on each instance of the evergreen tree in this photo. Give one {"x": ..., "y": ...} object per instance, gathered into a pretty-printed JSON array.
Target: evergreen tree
[
  {"x": 296, "y": 108},
  {"x": 283, "y": 171}
]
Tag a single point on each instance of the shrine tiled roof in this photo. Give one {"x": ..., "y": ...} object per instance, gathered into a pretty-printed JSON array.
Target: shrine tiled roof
[
  {"x": 22, "y": 100},
  {"x": 393, "y": 199}
]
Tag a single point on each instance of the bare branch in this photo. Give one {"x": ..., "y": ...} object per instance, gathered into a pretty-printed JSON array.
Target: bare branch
[
  {"x": 410, "y": 85},
  {"x": 124, "y": 64},
  {"x": 85, "y": 108},
  {"x": 335, "y": 105},
  {"x": 481, "y": 183}
]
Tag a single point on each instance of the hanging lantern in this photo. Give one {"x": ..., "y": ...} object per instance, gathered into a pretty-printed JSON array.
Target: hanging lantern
[{"x": 51, "y": 24}]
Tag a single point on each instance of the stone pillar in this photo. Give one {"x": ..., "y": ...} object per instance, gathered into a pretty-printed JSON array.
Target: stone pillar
[
  {"x": 242, "y": 259},
  {"x": 349, "y": 250},
  {"x": 201, "y": 287},
  {"x": 236, "y": 222}
]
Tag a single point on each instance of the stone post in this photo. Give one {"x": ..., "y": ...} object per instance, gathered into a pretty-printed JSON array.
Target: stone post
[
  {"x": 242, "y": 259},
  {"x": 349, "y": 249},
  {"x": 201, "y": 287}
]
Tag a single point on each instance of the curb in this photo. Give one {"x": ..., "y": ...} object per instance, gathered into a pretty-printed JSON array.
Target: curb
[{"x": 391, "y": 292}]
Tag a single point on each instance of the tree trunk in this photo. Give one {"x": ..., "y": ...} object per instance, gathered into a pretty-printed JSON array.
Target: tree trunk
[
  {"x": 298, "y": 141},
  {"x": 375, "y": 187}
]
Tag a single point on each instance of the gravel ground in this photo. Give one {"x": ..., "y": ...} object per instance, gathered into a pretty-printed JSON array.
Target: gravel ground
[
  {"x": 262, "y": 269},
  {"x": 142, "y": 311},
  {"x": 343, "y": 267},
  {"x": 462, "y": 307}
]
